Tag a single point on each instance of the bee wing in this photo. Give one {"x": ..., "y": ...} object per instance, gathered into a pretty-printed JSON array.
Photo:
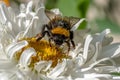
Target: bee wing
[
  {"x": 75, "y": 22},
  {"x": 51, "y": 14}
]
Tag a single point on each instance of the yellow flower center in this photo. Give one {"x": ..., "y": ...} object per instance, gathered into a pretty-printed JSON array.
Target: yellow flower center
[{"x": 45, "y": 52}]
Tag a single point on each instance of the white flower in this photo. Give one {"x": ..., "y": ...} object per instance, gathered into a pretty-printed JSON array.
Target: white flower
[{"x": 23, "y": 58}]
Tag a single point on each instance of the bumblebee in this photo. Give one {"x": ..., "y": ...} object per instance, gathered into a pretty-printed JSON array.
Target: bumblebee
[{"x": 58, "y": 29}]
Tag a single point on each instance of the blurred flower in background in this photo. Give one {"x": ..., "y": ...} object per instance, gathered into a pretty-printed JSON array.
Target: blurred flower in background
[
  {"x": 105, "y": 14},
  {"x": 105, "y": 9},
  {"x": 102, "y": 14}
]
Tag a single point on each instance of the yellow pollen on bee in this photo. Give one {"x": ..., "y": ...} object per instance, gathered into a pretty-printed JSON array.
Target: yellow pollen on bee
[
  {"x": 45, "y": 52},
  {"x": 60, "y": 30}
]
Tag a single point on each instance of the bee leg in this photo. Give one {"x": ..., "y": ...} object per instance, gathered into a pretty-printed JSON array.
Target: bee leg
[
  {"x": 68, "y": 44},
  {"x": 38, "y": 36},
  {"x": 73, "y": 44},
  {"x": 42, "y": 34},
  {"x": 71, "y": 39},
  {"x": 50, "y": 41}
]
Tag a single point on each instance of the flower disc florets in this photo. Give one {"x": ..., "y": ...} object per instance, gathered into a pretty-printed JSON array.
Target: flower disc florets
[{"x": 45, "y": 51}]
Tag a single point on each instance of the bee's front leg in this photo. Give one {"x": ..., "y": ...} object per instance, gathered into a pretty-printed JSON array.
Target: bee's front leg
[
  {"x": 42, "y": 34},
  {"x": 50, "y": 41},
  {"x": 71, "y": 39},
  {"x": 73, "y": 44},
  {"x": 38, "y": 36},
  {"x": 68, "y": 44}
]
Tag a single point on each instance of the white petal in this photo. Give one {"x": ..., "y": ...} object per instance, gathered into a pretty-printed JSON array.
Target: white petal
[
  {"x": 23, "y": 75},
  {"x": 43, "y": 66},
  {"x": 43, "y": 77},
  {"x": 104, "y": 76},
  {"x": 76, "y": 51},
  {"x": 29, "y": 27},
  {"x": 12, "y": 28},
  {"x": 25, "y": 57},
  {"x": 112, "y": 50},
  {"x": 105, "y": 32},
  {"x": 6, "y": 64},
  {"x": 94, "y": 54},
  {"x": 3, "y": 13},
  {"x": 16, "y": 46},
  {"x": 41, "y": 21},
  {"x": 19, "y": 36},
  {"x": 77, "y": 24},
  {"x": 116, "y": 77},
  {"x": 87, "y": 79},
  {"x": 95, "y": 63},
  {"x": 21, "y": 15},
  {"x": 107, "y": 40},
  {"x": 59, "y": 69},
  {"x": 29, "y": 7},
  {"x": 7, "y": 76},
  {"x": 79, "y": 61},
  {"x": 22, "y": 8},
  {"x": 20, "y": 75},
  {"x": 100, "y": 37},
  {"x": 86, "y": 46},
  {"x": 106, "y": 69},
  {"x": 11, "y": 13}
]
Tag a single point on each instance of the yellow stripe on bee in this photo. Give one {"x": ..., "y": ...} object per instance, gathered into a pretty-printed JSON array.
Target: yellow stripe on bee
[{"x": 60, "y": 30}]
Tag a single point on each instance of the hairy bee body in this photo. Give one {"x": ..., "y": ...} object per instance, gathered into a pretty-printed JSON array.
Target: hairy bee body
[
  {"x": 59, "y": 30},
  {"x": 60, "y": 21},
  {"x": 60, "y": 26}
]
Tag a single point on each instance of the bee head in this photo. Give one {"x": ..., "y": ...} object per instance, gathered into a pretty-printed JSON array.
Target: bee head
[{"x": 58, "y": 39}]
